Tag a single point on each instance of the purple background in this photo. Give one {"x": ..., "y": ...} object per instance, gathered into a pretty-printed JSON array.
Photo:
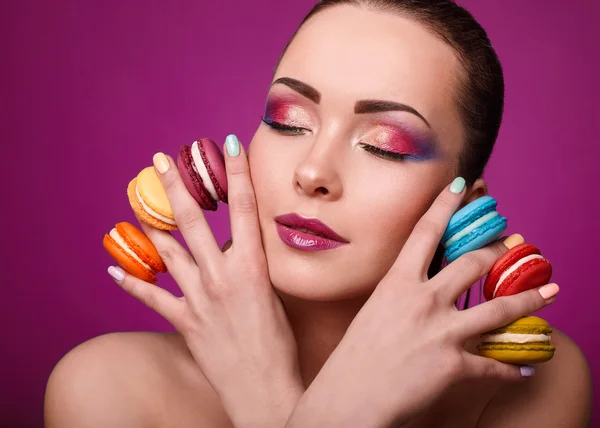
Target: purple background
[{"x": 91, "y": 90}]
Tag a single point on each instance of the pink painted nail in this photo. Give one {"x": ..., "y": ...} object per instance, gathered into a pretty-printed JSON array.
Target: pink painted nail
[
  {"x": 117, "y": 273},
  {"x": 548, "y": 291},
  {"x": 527, "y": 371}
]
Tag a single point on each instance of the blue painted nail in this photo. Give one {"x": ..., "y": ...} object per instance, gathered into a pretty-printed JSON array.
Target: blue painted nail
[
  {"x": 233, "y": 145},
  {"x": 527, "y": 371},
  {"x": 458, "y": 185}
]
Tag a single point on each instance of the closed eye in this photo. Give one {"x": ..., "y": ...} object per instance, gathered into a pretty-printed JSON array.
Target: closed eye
[
  {"x": 283, "y": 129},
  {"x": 384, "y": 153}
]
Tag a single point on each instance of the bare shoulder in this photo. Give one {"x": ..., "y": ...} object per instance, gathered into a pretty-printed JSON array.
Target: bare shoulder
[
  {"x": 131, "y": 380},
  {"x": 559, "y": 395}
]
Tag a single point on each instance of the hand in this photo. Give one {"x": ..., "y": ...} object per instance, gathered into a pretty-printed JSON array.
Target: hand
[
  {"x": 230, "y": 317},
  {"x": 406, "y": 346}
]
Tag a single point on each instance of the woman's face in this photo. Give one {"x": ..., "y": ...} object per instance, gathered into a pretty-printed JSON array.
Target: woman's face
[{"x": 376, "y": 137}]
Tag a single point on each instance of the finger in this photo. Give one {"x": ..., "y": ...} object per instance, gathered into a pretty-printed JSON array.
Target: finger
[
  {"x": 188, "y": 214},
  {"x": 154, "y": 297},
  {"x": 418, "y": 251},
  {"x": 505, "y": 309},
  {"x": 179, "y": 262},
  {"x": 460, "y": 275},
  {"x": 245, "y": 229},
  {"x": 487, "y": 368}
]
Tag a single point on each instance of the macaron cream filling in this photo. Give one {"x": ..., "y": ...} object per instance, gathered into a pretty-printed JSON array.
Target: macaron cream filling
[
  {"x": 513, "y": 268},
  {"x": 514, "y": 338},
  {"x": 201, "y": 169},
  {"x": 114, "y": 234},
  {"x": 471, "y": 227},
  {"x": 151, "y": 211}
]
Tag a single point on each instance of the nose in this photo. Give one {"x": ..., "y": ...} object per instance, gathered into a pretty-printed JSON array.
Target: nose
[{"x": 317, "y": 175}]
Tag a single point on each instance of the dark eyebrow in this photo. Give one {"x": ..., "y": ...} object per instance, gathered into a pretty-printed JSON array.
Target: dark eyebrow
[
  {"x": 300, "y": 87},
  {"x": 376, "y": 106},
  {"x": 361, "y": 107}
]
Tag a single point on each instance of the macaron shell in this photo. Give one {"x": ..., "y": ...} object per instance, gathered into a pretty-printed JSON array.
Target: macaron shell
[
  {"x": 141, "y": 213},
  {"x": 525, "y": 325},
  {"x": 518, "y": 354},
  {"x": 192, "y": 180},
  {"x": 507, "y": 260},
  {"x": 468, "y": 214},
  {"x": 215, "y": 165},
  {"x": 479, "y": 238},
  {"x": 532, "y": 274},
  {"x": 127, "y": 262},
  {"x": 153, "y": 193},
  {"x": 141, "y": 245}
]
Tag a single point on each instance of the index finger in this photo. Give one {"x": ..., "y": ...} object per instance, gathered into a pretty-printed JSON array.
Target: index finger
[
  {"x": 418, "y": 251},
  {"x": 245, "y": 229}
]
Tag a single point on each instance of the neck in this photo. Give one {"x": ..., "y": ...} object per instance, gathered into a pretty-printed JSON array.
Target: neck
[{"x": 318, "y": 328}]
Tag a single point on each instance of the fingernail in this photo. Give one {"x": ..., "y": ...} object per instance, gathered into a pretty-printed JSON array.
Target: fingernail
[
  {"x": 513, "y": 240},
  {"x": 458, "y": 185},
  {"x": 527, "y": 371},
  {"x": 161, "y": 163},
  {"x": 548, "y": 291},
  {"x": 117, "y": 273},
  {"x": 233, "y": 145}
]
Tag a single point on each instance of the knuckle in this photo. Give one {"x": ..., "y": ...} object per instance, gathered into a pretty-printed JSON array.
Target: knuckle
[
  {"x": 532, "y": 301},
  {"x": 427, "y": 227},
  {"x": 445, "y": 202},
  {"x": 145, "y": 296},
  {"x": 473, "y": 263},
  {"x": 489, "y": 370},
  {"x": 187, "y": 220},
  {"x": 500, "y": 312},
  {"x": 243, "y": 203},
  {"x": 166, "y": 253},
  {"x": 239, "y": 168},
  {"x": 168, "y": 181}
]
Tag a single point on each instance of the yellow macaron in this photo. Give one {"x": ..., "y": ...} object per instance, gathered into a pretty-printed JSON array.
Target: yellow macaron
[
  {"x": 524, "y": 341},
  {"x": 149, "y": 200}
]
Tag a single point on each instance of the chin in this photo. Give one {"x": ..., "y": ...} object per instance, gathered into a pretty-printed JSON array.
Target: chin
[{"x": 308, "y": 278}]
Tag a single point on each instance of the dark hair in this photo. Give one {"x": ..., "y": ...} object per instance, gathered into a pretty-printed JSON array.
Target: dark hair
[{"x": 480, "y": 95}]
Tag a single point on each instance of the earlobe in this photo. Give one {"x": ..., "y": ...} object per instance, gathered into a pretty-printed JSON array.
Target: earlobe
[{"x": 476, "y": 191}]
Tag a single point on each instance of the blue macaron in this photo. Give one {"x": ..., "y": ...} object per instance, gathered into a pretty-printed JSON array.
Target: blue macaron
[{"x": 473, "y": 227}]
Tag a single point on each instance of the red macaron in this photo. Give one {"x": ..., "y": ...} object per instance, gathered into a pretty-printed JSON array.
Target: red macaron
[
  {"x": 202, "y": 169},
  {"x": 521, "y": 268}
]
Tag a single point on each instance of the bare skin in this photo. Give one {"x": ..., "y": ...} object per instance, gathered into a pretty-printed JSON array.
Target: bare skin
[{"x": 151, "y": 379}]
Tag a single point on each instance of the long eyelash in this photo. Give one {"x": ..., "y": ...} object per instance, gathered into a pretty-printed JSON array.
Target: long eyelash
[
  {"x": 284, "y": 129},
  {"x": 384, "y": 153}
]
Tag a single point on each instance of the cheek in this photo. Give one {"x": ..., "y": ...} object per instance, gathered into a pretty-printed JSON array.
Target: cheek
[
  {"x": 267, "y": 169},
  {"x": 394, "y": 208}
]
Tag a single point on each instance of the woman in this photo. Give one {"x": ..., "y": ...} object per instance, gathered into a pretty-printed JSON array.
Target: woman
[{"x": 375, "y": 108}]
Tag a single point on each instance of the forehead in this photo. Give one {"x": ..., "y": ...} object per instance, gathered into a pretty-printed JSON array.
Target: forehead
[{"x": 350, "y": 53}]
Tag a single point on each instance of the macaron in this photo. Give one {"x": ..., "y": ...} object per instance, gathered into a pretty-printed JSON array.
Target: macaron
[
  {"x": 472, "y": 227},
  {"x": 134, "y": 252},
  {"x": 525, "y": 341},
  {"x": 149, "y": 201},
  {"x": 202, "y": 169},
  {"x": 519, "y": 269}
]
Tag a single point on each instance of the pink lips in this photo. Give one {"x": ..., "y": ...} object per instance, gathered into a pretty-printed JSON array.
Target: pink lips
[{"x": 314, "y": 236}]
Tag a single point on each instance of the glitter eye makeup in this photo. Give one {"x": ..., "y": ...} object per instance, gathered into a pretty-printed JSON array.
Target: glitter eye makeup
[
  {"x": 398, "y": 142},
  {"x": 286, "y": 114}
]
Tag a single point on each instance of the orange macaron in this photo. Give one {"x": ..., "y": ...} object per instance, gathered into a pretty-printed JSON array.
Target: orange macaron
[{"x": 134, "y": 252}]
